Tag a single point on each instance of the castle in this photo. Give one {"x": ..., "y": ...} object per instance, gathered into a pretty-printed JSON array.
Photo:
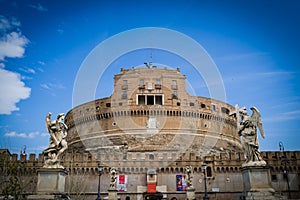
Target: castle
[{"x": 150, "y": 123}]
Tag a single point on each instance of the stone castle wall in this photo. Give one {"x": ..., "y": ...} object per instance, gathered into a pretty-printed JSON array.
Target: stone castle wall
[{"x": 82, "y": 176}]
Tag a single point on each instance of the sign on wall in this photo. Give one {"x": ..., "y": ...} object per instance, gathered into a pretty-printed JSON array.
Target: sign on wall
[
  {"x": 122, "y": 183},
  {"x": 180, "y": 182}
]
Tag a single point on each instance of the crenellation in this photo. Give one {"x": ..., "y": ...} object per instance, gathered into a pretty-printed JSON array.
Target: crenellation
[
  {"x": 14, "y": 157},
  {"x": 32, "y": 157},
  {"x": 85, "y": 157},
  {"x": 40, "y": 157}
]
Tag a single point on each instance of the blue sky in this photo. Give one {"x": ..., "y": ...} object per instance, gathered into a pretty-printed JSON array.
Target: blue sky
[{"x": 255, "y": 45}]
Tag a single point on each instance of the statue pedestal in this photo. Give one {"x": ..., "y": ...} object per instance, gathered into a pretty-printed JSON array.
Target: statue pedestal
[
  {"x": 257, "y": 183},
  {"x": 51, "y": 184},
  {"x": 190, "y": 193},
  {"x": 113, "y": 194},
  {"x": 51, "y": 181}
]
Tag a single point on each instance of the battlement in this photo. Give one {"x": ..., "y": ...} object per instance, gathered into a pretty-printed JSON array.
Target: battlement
[{"x": 86, "y": 157}]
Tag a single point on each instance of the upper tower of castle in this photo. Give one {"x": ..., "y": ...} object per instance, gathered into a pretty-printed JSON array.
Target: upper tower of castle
[{"x": 149, "y": 86}]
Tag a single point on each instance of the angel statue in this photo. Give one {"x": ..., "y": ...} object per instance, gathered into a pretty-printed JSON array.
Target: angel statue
[
  {"x": 58, "y": 144},
  {"x": 247, "y": 129},
  {"x": 113, "y": 178},
  {"x": 188, "y": 176}
]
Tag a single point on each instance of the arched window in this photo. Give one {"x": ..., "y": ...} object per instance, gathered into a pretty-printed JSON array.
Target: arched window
[
  {"x": 151, "y": 157},
  {"x": 208, "y": 172}
]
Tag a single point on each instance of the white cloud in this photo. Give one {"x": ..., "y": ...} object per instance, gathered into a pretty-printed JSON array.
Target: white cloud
[
  {"x": 28, "y": 70},
  {"x": 38, "y": 7},
  {"x": 41, "y": 62},
  {"x": 12, "y": 42},
  {"x": 52, "y": 86},
  {"x": 6, "y": 24},
  {"x": 15, "y": 134},
  {"x": 44, "y": 134},
  {"x": 12, "y": 90},
  {"x": 13, "y": 45},
  {"x": 45, "y": 86},
  {"x": 26, "y": 77},
  {"x": 23, "y": 135}
]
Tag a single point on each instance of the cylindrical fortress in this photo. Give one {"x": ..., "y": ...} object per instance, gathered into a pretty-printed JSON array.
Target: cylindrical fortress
[{"x": 150, "y": 111}]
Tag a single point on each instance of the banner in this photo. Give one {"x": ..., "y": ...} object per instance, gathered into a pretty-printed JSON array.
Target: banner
[
  {"x": 180, "y": 182},
  {"x": 122, "y": 183}
]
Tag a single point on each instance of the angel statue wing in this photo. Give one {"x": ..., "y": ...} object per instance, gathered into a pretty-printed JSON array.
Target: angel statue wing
[
  {"x": 236, "y": 112},
  {"x": 48, "y": 122},
  {"x": 256, "y": 120}
]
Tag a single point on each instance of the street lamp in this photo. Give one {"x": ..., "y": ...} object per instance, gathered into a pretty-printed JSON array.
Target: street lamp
[
  {"x": 205, "y": 187},
  {"x": 100, "y": 169},
  {"x": 285, "y": 162}
]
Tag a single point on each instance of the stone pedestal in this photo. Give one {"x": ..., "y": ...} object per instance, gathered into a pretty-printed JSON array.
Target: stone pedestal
[
  {"x": 257, "y": 183},
  {"x": 51, "y": 181},
  {"x": 51, "y": 184},
  {"x": 190, "y": 193},
  {"x": 113, "y": 194}
]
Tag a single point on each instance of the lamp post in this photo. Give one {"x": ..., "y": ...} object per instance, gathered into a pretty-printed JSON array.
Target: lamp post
[
  {"x": 285, "y": 162},
  {"x": 205, "y": 187},
  {"x": 100, "y": 169}
]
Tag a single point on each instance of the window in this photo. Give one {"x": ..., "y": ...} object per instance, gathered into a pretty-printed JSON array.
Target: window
[
  {"x": 158, "y": 100},
  {"x": 192, "y": 104},
  {"x": 124, "y": 94},
  {"x": 142, "y": 82},
  {"x": 151, "y": 157},
  {"x": 225, "y": 110},
  {"x": 141, "y": 100},
  {"x": 174, "y": 85},
  {"x": 125, "y": 85},
  {"x": 107, "y": 105},
  {"x": 203, "y": 105},
  {"x": 208, "y": 172},
  {"x": 213, "y": 107},
  {"x": 157, "y": 84},
  {"x": 174, "y": 94},
  {"x": 149, "y": 99},
  {"x": 174, "y": 82}
]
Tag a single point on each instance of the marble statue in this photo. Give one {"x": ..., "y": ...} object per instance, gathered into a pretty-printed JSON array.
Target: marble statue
[
  {"x": 58, "y": 144},
  {"x": 188, "y": 176},
  {"x": 247, "y": 128},
  {"x": 113, "y": 178}
]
